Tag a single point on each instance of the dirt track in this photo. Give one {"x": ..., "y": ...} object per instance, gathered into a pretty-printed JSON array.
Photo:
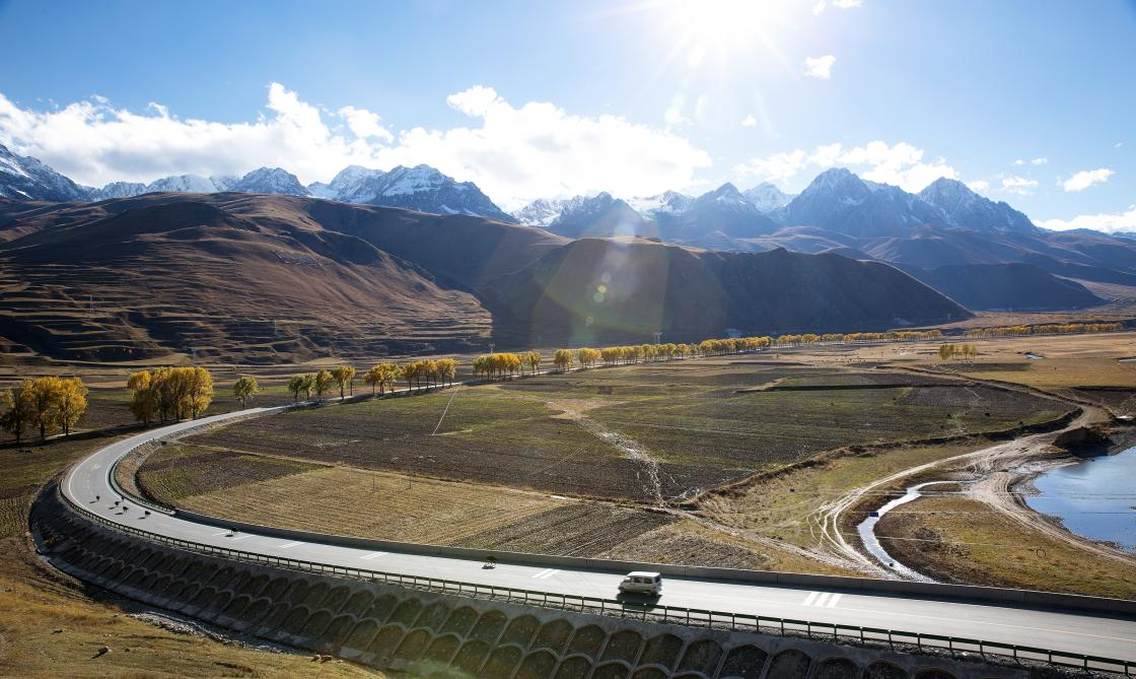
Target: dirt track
[{"x": 993, "y": 465}]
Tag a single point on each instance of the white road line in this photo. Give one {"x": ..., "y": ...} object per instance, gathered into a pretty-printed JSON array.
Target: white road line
[
  {"x": 822, "y": 599},
  {"x": 224, "y": 532},
  {"x": 810, "y": 598},
  {"x": 243, "y": 537},
  {"x": 375, "y": 555},
  {"x": 289, "y": 545},
  {"x": 833, "y": 600},
  {"x": 545, "y": 573}
]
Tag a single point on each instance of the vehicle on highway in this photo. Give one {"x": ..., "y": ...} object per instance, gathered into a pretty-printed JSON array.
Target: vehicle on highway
[{"x": 642, "y": 582}]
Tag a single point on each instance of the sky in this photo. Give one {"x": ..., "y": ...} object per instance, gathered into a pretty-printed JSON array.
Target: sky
[{"x": 1033, "y": 103}]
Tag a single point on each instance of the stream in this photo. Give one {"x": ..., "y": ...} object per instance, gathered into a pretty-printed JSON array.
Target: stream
[{"x": 867, "y": 531}]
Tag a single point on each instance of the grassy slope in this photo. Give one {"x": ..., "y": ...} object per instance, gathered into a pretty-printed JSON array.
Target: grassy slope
[{"x": 960, "y": 540}]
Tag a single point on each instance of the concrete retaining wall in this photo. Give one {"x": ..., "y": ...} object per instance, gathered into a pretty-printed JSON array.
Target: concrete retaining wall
[
  {"x": 427, "y": 634},
  {"x": 1026, "y": 598}
]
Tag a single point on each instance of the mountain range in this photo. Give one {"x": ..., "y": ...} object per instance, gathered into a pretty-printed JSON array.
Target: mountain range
[
  {"x": 420, "y": 188},
  {"x": 944, "y": 232},
  {"x": 275, "y": 278}
]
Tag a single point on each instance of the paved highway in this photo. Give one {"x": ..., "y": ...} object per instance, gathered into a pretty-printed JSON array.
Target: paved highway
[{"x": 88, "y": 485}]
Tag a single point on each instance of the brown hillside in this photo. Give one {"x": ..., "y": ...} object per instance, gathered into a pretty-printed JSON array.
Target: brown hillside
[
  {"x": 231, "y": 276},
  {"x": 598, "y": 291},
  {"x": 246, "y": 277}
]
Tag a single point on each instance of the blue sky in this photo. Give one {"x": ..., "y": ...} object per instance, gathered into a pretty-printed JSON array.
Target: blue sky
[{"x": 1030, "y": 102}]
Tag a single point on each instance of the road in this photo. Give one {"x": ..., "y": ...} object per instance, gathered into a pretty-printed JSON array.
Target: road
[{"x": 87, "y": 484}]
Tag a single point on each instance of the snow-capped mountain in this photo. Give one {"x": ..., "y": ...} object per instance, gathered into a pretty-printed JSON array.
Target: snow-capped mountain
[
  {"x": 840, "y": 201},
  {"x": 26, "y": 178},
  {"x": 670, "y": 202},
  {"x": 270, "y": 180},
  {"x": 119, "y": 190},
  {"x": 419, "y": 188},
  {"x": 599, "y": 215},
  {"x": 966, "y": 209},
  {"x": 766, "y": 197},
  {"x": 541, "y": 212},
  {"x": 183, "y": 183},
  {"x": 347, "y": 186},
  {"x": 670, "y": 215},
  {"x": 724, "y": 210},
  {"x": 263, "y": 180}
]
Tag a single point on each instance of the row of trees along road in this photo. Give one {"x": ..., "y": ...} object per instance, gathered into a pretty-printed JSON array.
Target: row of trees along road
[
  {"x": 161, "y": 394},
  {"x": 169, "y": 393},
  {"x": 506, "y": 364},
  {"x": 380, "y": 377},
  {"x": 1044, "y": 329},
  {"x": 47, "y": 404}
]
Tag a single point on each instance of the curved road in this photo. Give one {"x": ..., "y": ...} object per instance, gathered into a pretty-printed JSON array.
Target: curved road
[{"x": 88, "y": 485}]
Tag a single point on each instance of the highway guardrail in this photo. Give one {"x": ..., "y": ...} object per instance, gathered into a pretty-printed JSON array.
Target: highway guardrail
[{"x": 821, "y": 631}]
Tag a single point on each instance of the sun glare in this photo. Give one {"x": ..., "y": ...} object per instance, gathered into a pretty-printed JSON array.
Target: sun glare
[{"x": 722, "y": 28}]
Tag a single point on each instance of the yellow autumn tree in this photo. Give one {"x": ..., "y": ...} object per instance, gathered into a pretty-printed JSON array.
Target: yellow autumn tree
[
  {"x": 344, "y": 376},
  {"x": 245, "y": 388}
]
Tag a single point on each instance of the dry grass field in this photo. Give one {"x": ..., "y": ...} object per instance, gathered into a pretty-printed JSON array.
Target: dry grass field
[
  {"x": 563, "y": 464},
  {"x": 634, "y": 433},
  {"x": 384, "y": 505},
  {"x": 956, "y": 539},
  {"x": 785, "y": 505}
]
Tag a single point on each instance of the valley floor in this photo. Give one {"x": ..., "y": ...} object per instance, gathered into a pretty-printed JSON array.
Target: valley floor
[{"x": 761, "y": 462}]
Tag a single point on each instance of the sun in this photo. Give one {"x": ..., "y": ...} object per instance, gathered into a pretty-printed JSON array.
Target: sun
[{"x": 726, "y": 29}]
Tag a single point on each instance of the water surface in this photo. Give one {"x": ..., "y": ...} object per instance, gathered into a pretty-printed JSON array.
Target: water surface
[{"x": 1095, "y": 498}]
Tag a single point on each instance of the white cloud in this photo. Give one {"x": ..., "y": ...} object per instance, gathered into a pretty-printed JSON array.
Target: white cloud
[
  {"x": 819, "y": 67},
  {"x": 979, "y": 185},
  {"x": 514, "y": 153},
  {"x": 365, "y": 124},
  {"x": 1118, "y": 145},
  {"x": 821, "y": 5},
  {"x": 1021, "y": 186},
  {"x": 475, "y": 101},
  {"x": 1109, "y": 223},
  {"x": 776, "y": 167},
  {"x": 1086, "y": 178},
  {"x": 1034, "y": 161},
  {"x": 899, "y": 164},
  {"x": 749, "y": 121}
]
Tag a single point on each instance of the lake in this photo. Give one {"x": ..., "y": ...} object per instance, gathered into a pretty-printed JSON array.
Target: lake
[{"x": 1094, "y": 498}]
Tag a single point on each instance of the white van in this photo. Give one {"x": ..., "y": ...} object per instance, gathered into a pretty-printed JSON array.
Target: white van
[{"x": 642, "y": 582}]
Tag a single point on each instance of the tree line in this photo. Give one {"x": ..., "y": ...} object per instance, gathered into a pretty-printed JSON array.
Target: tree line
[
  {"x": 965, "y": 351},
  {"x": 381, "y": 377},
  {"x": 47, "y": 404},
  {"x": 163, "y": 394},
  {"x": 1044, "y": 329}
]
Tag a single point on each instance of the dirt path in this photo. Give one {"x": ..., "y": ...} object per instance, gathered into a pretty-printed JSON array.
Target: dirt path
[{"x": 632, "y": 448}]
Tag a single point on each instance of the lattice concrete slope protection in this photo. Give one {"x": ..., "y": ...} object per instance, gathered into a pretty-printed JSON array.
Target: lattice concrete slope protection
[{"x": 446, "y": 636}]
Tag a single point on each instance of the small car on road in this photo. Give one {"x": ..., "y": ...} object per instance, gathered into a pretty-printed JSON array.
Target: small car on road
[{"x": 642, "y": 582}]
